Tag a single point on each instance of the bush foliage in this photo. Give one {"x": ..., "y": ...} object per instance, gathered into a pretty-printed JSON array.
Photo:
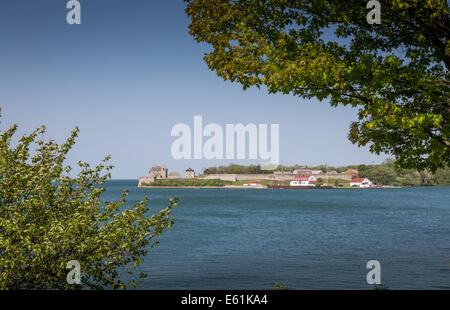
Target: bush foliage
[{"x": 48, "y": 218}]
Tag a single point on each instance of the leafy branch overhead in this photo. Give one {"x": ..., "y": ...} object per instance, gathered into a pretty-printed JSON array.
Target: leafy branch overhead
[
  {"x": 395, "y": 72},
  {"x": 48, "y": 218}
]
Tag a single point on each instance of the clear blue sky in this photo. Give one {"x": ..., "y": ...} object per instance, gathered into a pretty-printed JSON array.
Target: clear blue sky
[{"x": 130, "y": 72}]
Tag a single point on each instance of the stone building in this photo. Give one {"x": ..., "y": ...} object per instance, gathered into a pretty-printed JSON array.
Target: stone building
[
  {"x": 189, "y": 174},
  {"x": 282, "y": 172},
  {"x": 158, "y": 172},
  {"x": 174, "y": 175},
  {"x": 303, "y": 171}
]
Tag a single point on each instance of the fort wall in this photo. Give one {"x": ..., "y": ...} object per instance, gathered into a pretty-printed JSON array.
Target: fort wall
[
  {"x": 145, "y": 180},
  {"x": 240, "y": 177},
  {"x": 274, "y": 177}
]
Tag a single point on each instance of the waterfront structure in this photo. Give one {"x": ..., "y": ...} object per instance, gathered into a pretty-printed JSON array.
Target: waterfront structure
[
  {"x": 302, "y": 171},
  {"x": 304, "y": 180},
  {"x": 189, "y": 173},
  {"x": 360, "y": 182},
  {"x": 161, "y": 172},
  {"x": 174, "y": 175},
  {"x": 272, "y": 176},
  {"x": 158, "y": 172}
]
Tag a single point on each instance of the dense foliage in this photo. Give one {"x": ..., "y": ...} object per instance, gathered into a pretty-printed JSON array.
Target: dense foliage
[
  {"x": 48, "y": 218},
  {"x": 395, "y": 72},
  {"x": 390, "y": 174}
]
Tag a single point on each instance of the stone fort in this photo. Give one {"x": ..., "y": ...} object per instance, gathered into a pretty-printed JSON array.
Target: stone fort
[{"x": 161, "y": 172}]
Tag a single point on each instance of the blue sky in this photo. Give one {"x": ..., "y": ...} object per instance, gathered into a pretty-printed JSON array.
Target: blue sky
[{"x": 129, "y": 73}]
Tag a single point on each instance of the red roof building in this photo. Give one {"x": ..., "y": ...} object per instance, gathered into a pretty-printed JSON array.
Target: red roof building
[
  {"x": 303, "y": 180},
  {"x": 358, "y": 180}
]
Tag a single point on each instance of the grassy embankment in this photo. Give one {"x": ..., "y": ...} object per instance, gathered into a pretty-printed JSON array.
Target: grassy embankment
[
  {"x": 206, "y": 183},
  {"x": 263, "y": 182},
  {"x": 217, "y": 182},
  {"x": 188, "y": 182}
]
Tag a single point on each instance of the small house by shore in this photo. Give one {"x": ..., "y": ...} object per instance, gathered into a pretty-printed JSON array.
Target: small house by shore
[
  {"x": 304, "y": 180},
  {"x": 361, "y": 182}
]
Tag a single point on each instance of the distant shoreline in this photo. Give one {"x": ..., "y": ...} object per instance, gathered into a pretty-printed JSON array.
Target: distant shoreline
[
  {"x": 263, "y": 187},
  {"x": 226, "y": 186}
]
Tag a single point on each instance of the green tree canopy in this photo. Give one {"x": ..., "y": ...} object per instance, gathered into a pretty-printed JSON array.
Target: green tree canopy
[
  {"x": 395, "y": 72},
  {"x": 48, "y": 218}
]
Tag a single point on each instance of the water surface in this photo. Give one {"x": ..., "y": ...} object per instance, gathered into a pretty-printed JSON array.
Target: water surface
[{"x": 308, "y": 239}]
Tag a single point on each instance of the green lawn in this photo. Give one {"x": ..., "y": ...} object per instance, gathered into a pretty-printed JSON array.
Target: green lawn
[
  {"x": 263, "y": 182},
  {"x": 187, "y": 182},
  {"x": 217, "y": 182}
]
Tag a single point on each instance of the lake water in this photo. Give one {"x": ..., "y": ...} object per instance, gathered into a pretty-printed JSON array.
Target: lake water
[{"x": 307, "y": 239}]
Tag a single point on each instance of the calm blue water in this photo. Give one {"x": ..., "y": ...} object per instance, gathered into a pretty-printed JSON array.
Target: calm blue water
[{"x": 308, "y": 239}]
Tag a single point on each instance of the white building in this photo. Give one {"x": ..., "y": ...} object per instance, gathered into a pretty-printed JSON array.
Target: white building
[
  {"x": 361, "y": 182},
  {"x": 304, "y": 180}
]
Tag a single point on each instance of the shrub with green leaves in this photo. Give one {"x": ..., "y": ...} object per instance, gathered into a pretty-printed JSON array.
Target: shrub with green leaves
[
  {"x": 280, "y": 287},
  {"x": 48, "y": 218}
]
